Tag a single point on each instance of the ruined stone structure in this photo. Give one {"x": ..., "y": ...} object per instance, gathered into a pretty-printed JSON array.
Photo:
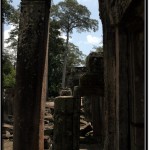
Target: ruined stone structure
[
  {"x": 7, "y": 102},
  {"x": 91, "y": 86},
  {"x": 123, "y": 41},
  {"x": 32, "y": 60},
  {"x": 123, "y": 107},
  {"x": 74, "y": 75},
  {"x": 66, "y": 123}
]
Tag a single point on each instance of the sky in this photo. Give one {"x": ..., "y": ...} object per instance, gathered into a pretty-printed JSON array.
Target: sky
[{"x": 85, "y": 40}]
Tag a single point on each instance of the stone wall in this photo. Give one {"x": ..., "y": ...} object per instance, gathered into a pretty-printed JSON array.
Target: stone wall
[
  {"x": 122, "y": 110},
  {"x": 123, "y": 37},
  {"x": 74, "y": 75},
  {"x": 8, "y": 96}
]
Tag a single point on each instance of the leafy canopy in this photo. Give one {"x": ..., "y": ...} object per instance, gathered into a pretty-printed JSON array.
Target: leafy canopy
[
  {"x": 9, "y": 13},
  {"x": 8, "y": 71},
  {"x": 56, "y": 58},
  {"x": 71, "y": 14}
]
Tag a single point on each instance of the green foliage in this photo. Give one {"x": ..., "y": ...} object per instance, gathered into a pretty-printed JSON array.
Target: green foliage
[
  {"x": 12, "y": 42},
  {"x": 11, "y": 16},
  {"x": 55, "y": 55},
  {"x": 56, "y": 58},
  {"x": 8, "y": 72},
  {"x": 99, "y": 49},
  {"x": 75, "y": 56},
  {"x": 9, "y": 13},
  {"x": 55, "y": 62},
  {"x": 71, "y": 15}
]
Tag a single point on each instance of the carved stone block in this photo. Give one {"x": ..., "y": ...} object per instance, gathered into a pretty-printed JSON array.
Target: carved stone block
[{"x": 66, "y": 123}]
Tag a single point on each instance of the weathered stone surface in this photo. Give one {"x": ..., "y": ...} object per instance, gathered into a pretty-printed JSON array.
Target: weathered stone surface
[
  {"x": 49, "y": 131},
  {"x": 74, "y": 75},
  {"x": 85, "y": 129},
  {"x": 7, "y": 127},
  {"x": 91, "y": 86},
  {"x": 91, "y": 80},
  {"x": 87, "y": 106},
  {"x": 47, "y": 142},
  {"x": 8, "y": 96},
  {"x": 7, "y": 131},
  {"x": 31, "y": 75},
  {"x": 123, "y": 44},
  {"x": 49, "y": 104},
  {"x": 7, "y": 144},
  {"x": 94, "y": 63},
  {"x": 49, "y": 117},
  {"x": 7, "y": 136},
  {"x": 87, "y": 91},
  {"x": 82, "y": 122},
  {"x": 66, "y": 123},
  {"x": 66, "y": 92}
]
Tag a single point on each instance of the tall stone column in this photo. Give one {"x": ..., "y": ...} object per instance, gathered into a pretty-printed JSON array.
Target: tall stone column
[{"x": 31, "y": 77}]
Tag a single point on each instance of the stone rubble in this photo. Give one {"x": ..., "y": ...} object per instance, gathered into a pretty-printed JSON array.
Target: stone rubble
[{"x": 86, "y": 129}]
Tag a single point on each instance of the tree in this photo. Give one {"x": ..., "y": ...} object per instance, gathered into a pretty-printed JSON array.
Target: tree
[
  {"x": 56, "y": 51},
  {"x": 12, "y": 42},
  {"x": 98, "y": 49},
  {"x": 8, "y": 72},
  {"x": 75, "y": 56},
  {"x": 9, "y": 13},
  {"x": 55, "y": 63},
  {"x": 71, "y": 15}
]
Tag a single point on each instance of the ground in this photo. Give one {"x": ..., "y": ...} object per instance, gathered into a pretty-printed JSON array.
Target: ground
[{"x": 7, "y": 144}]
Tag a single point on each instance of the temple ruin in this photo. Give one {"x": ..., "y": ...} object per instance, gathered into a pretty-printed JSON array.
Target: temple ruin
[{"x": 114, "y": 82}]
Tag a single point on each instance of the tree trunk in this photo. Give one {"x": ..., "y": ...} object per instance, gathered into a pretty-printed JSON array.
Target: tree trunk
[{"x": 65, "y": 62}]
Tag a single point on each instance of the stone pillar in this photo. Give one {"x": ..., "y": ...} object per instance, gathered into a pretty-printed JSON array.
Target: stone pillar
[
  {"x": 31, "y": 76},
  {"x": 96, "y": 116},
  {"x": 66, "y": 123},
  {"x": 92, "y": 84}
]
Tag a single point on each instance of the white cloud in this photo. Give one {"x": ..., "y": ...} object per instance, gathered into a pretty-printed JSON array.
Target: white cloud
[{"x": 94, "y": 40}]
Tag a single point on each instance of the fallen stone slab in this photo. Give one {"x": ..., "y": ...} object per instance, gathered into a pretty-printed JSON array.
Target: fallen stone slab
[
  {"x": 46, "y": 122},
  {"x": 7, "y": 136},
  {"x": 47, "y": 142},
  {"x": 85, "y": 129},
  {"x": 49, "y": 105},
  {"x": 7, "y": 127},
  {"x": 82, "y": 117},
  {"x": 48, "y": 131},
  {"x": 83, "y": 122},
  {"x": 90, "y": 133}
]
